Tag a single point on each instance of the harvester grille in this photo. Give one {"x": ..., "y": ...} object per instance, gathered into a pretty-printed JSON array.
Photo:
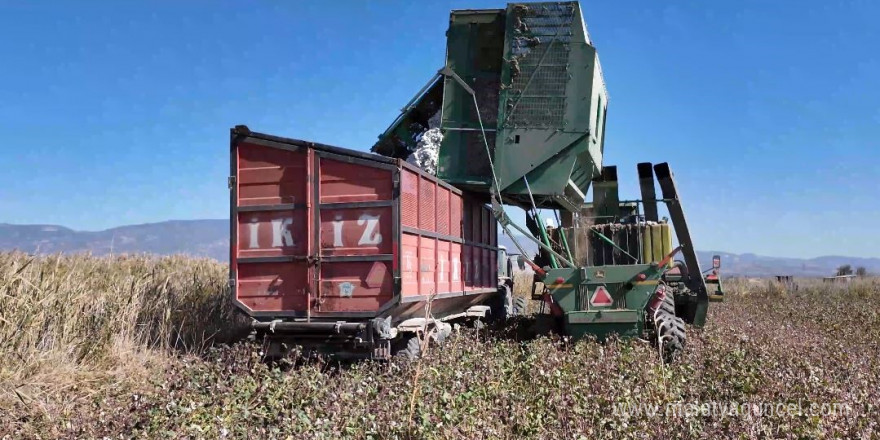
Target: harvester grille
[{"x": 539, "y": 65}]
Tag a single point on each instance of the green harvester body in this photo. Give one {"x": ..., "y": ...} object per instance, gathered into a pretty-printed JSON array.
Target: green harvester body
[
  {"x": 521, "y": 103},
  {"x": 629, "y": 295}
]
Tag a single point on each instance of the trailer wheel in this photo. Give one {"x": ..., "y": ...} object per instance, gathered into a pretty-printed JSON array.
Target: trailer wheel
[{"x": 409, "y": 347}]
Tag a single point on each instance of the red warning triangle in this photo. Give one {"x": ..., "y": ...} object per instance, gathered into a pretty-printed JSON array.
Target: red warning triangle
[{"x": 601, "y": 297}]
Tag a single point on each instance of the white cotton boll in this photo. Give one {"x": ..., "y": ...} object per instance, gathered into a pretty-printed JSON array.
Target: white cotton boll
[{"x": 427, "y": 151}]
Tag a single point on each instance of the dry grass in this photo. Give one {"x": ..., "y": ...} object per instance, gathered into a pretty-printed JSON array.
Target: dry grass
[
  {"x": 522, "y": 284},
  {"x": 93, "y": 347},
  {"x": 71, "y": 326}
]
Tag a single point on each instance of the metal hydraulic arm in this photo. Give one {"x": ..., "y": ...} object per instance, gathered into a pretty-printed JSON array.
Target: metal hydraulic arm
[
  {"x": 649, "y": 197},
  {"x": 694, "y": 280}
]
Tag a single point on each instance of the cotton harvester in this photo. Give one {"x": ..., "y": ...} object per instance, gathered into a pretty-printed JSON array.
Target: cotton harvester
[{"x": 521, "y": 106}]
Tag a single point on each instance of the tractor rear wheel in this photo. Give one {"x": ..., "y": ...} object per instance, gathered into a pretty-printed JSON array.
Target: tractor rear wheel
[
  {"x": 668, "y": 304},
  {"x": 671, "y": 334},
  {"x": 669, "y": 329}
]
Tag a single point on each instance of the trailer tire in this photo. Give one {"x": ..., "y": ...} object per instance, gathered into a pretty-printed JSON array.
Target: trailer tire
[{"x": 409, "y": 347}]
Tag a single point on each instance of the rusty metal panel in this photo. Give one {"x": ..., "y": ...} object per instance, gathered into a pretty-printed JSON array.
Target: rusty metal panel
[
  {"x": 485, "y": 225},
  {"x": 427, "y": 205},
  {"x": 476, "y": 222},
  {"x": 493, "y": 230},
  {"x": 355, "y": 233},
  {"x": 455, "y": 217},
  {"x": 487, "y": 267},
  {"x": 477, "y": 265},
  {"x": 467, "y": 266},
  {"x": 271, "y": 227},
  {"x": 427, "y": 265},
  {"x": 480, "y": 258},
  {"x": 355, "y": 286},
  {"x": 493, "y": 263},
  {"x": 409, "y": 198},
  {"x": 356, "y": 230},
  {"x": 317, "y": 232},
  {"x": 409, "y": 273},
  {"x": 350, "y": 182},
  {"x": 467, "y": 220},
  {"x": 270, "y": 176},
  {"x": 273, "y": 287},
  {"x": 272, "y": 233},
  {"x": 443, "y": 266},
  {"x": 456, "y": 281},
  {"x": 442, "y": 211}
]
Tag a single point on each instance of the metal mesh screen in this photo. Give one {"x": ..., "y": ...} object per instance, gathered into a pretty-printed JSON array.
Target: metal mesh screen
[
  {"x": 409, "y": 189},
  {"x": 443, "y": 211},
  {"x": 426, "y": 213},
  {"x": 539, "y": 64},
  {"x": 538, "y": 112},
  {"x": 467, "y": 220},
  {"x": 455, "y": 217},
  {"x": 477, "y": 222}
]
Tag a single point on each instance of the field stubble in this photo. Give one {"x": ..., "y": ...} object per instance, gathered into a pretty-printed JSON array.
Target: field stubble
[{"x": 134, "y": 346}]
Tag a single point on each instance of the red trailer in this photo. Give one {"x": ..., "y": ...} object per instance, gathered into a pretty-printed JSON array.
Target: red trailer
[{"x": 342, "y": 250}]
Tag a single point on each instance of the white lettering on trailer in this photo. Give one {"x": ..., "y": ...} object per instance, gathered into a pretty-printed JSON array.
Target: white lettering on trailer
[
  {"x": 337, "y": 231},
  {"x": 408, "y": 261},
  {"x": 371, "y": 236},
  {"x": 254, "y": 232},
  {"x": 442, "y": 269},
  {"x": 281, "y": 236},
  {"x": 456, "y": 263}
]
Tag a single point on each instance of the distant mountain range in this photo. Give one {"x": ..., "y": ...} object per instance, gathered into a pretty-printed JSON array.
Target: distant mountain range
[
  {"x": 206, "y": 238},
  {"x": 210, "y": 238}
]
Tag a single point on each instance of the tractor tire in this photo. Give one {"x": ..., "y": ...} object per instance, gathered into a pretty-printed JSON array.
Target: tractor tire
[
  {"x": 520, "y": 306},
  {"x": 670, "y": 333},
  {"x": 408, "y": 347},
  {"x": 668, "y": 304}
]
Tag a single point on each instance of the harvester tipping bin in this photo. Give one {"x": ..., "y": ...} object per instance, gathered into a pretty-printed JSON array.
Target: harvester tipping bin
[
  {"x": 521, "y": 91},
  {"x": 520, "y": 105}
]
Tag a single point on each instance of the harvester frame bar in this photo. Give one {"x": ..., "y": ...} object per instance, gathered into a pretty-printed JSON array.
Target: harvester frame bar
[
  {"x": 553, "y": 263},
  {"x": 504, "y": 220},
  {"x": 682, "y": 232},
  {"x": 649, "y": 196}
]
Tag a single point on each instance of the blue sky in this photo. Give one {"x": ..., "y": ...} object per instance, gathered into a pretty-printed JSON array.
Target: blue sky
[{"x": 115, "y": 113}]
